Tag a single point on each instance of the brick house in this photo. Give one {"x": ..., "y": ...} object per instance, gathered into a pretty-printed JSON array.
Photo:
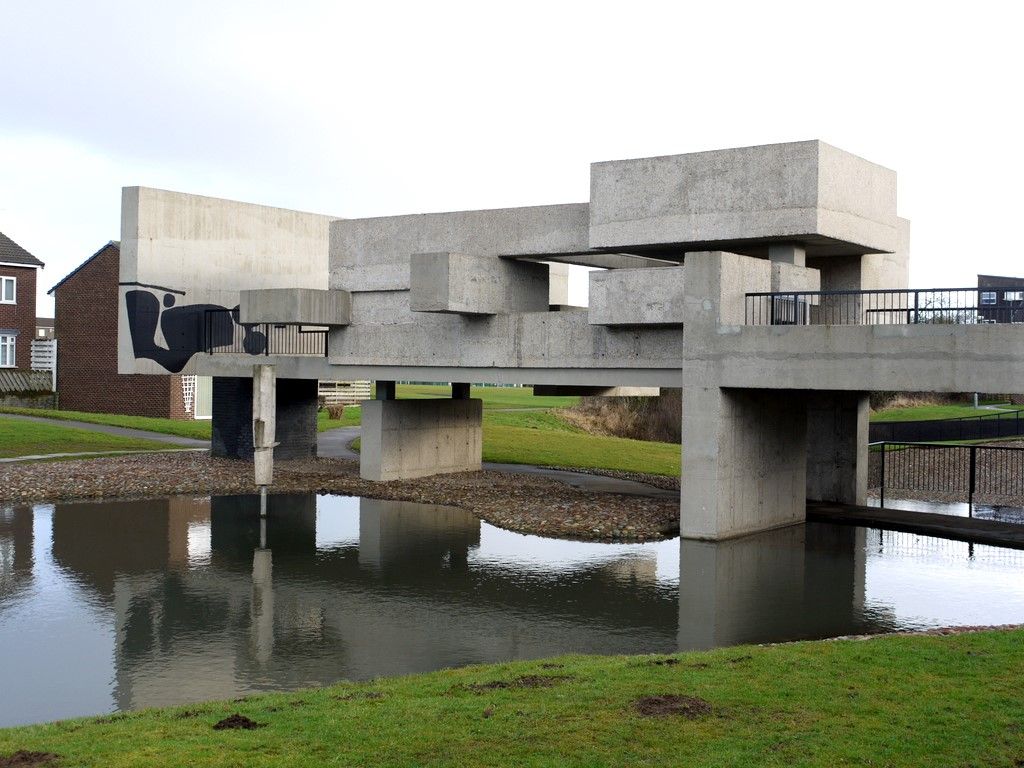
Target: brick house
[
  {"x": 86, "y": 312},
  {"x": 18, "y": 270}
]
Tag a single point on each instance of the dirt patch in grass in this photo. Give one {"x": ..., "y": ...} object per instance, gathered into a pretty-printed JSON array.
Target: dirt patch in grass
[
  {"x": 360, "y": 695},
  {"x": 237, "y": 722},
  {"x": 664, "y": 705},
  {"x": 669, "y": 662},
  {"x": 526, "y": 681},
  {"x": 23, "y": 758}
]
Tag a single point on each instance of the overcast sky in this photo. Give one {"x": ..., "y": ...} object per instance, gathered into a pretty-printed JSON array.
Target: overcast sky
[{"x": 379, "y": 108}]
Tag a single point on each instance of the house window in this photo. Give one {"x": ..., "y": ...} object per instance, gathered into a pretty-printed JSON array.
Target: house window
[
  {"x": 7, "y": 350},
  {"x": 8, "y": 290},
  {"x": 988, "y": 297},
  {"x": 1013, "y": 296}
]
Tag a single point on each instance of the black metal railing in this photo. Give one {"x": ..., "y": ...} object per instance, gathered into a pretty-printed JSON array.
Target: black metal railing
[
  {"x": 959, "y": 472},
  {"x": 939, "y": 306},
  {"x": 225, "y": 335},
  {"x": 984, "y": 427}
]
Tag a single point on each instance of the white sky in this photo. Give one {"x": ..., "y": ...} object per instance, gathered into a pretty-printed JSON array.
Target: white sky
[{"x": 374, "y": 108}]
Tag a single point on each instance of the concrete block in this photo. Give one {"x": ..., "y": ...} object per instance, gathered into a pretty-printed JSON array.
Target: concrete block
[
  {"x": 637, "y": 297},
  {"x": 404, "y": 439},
  {"x": 807, "y": 192},
  {"x": 304, "y": 306},
  {"x": 457, "y": 283},
  {"x": 789, "y": 277}
]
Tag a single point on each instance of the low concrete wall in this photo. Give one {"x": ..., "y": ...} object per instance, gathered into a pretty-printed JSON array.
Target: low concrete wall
[
  {"x": 29, "y": 400},
  {"x": 403, "y": 439}
]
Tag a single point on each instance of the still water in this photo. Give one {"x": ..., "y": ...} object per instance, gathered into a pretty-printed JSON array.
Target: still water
[{"x": 125, "y": 604}]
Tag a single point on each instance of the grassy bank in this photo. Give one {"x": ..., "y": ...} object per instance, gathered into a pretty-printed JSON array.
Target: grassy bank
[
  {"x": 28, "y": 438},
  {"x": 932, "y": 412},
  {"x": 894, "y": 701}
]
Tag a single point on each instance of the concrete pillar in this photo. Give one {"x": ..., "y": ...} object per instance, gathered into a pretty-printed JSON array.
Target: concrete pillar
[
  {"x": 460, "y": 390},
  {"x": 837, "y": 446},
  {"x": 385, "y": 390},
  {"x": 295, "y": 408},
  {"x": 744, "y": 461},
  {"x": 403, "y": 439},
  {"x": 788, "y": 253},
  {"x": 264, "y": 423}
]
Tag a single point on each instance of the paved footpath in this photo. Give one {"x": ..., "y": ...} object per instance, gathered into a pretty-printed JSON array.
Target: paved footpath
[{"x": 336, "y": 444}]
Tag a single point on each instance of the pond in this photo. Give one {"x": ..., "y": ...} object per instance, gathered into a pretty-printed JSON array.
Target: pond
[{"x": 120, "y": 605}]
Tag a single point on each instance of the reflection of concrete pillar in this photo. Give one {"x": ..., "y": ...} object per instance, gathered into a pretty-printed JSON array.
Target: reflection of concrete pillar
[
  {"x": 262, "y": 605},
  {"x": 743, "y": 590},
  {"x": 401, "y": 532},
  {"x": 414, "y": 438},
  {"x": 744, "y": 457},
  {"x": 837, "y": 446}
]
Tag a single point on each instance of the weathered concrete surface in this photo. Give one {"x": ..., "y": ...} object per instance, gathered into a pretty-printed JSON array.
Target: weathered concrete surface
[
  {"x": 555, "y": 390},
  {"x": 295, "y": 305},
  {"x": 637, "y": 297},
  {"x": 373, "y": 254},
  {"x": 462, "y": 284},
  {"x": 837, "y": 446},
  {"x": 403, "y": 439},
  {"x": 808, "y": 192},
  {"x": 264, "y": 422}
]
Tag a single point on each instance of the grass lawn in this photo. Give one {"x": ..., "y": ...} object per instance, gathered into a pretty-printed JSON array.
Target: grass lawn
[
  {"x": 892, "y": 701},
  {"x": 28, "y": 438},
  {"x": 931, "y": 412}
]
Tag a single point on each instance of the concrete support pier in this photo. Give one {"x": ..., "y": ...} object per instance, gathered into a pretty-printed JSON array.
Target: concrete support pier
[
  {"x": 744, "y": 461},
  {"x": 403, "y": 439},
  {"x": 295, "y": 405},
  {"x": 837, "y": 446}
]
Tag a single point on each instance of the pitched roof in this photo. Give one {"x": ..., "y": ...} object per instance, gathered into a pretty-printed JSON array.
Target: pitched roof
[
  {"x": 12, "y": 253},
  {"x": 84, "y": 264}
]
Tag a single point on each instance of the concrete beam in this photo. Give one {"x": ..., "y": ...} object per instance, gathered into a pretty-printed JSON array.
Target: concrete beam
[
  {"x": 563, "y": 390},
  {"x": 461, "y": 284},
  {"x": 637, "y": 297},
  {"x": 304, "y": 306},
  {"x": 805, "y": 192}
]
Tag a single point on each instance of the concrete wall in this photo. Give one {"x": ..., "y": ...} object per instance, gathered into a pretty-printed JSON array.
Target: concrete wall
[
  {"x": 808, "y": 192},
  {"x": 414, "y": 438},
  {"x": 458, "y": 283},
  {"x": 181, "y": 254},
  {"x": 295, "y": 305},
  {"x": 630, "y": 297},
  {"x": 837, "y": 446}
]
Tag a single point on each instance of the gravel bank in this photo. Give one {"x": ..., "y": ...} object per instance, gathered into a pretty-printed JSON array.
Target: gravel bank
[{"x": 516, "y": 502}]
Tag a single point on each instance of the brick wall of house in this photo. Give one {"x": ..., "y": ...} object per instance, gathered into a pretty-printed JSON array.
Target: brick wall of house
[
  {"x": 86, "y": 310},
  {"x": 21, "y": 316}
]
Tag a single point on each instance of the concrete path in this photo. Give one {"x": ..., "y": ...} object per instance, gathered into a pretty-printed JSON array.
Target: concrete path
[
  {"x": 109, "y": 430},
  {"x": 972, "y": 529}
]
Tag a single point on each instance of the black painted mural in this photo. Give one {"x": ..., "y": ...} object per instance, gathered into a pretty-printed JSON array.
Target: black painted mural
[{"x": 187, "y": 328}]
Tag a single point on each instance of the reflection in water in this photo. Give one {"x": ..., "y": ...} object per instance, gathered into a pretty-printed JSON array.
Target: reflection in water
[{"x": 120, "y": 605}]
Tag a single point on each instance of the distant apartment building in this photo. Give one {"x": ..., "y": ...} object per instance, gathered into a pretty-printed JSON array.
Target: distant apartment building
[
  {"x": 1001, "y": 299},
  {"x": 18, "y": 270},
  {"x": 86, "y": 311}
]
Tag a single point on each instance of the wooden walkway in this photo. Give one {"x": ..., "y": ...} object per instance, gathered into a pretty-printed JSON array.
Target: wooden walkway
[{"x": 971, "y": 529}]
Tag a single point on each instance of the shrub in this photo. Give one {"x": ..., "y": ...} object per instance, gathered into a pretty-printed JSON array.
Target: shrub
[{"x": 335, "y": 411}]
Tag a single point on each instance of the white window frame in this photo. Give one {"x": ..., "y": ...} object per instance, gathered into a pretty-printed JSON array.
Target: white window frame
[
  {"x": 4, "y": 280},
  {"x": 1013, "y": 296},
  {"x": 988, "y": 298},
  {"x": 10, "y": 341}
]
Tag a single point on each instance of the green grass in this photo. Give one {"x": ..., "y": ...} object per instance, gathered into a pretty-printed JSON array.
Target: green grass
[
  {"x": 19, "y": 437},
  {"x": 495, "y": 398},
  {"x": 932, "y": 412},
  {"x": 199, "y": 430},
  {"x": 892, "y": 701}
]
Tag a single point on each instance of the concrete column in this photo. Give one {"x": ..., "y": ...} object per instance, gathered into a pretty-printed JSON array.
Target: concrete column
[
  {"x": 403, "y": 439},
  {"x": 837, "y": 446},
  {"x": 460, "y": 390},
  {"x": 744, "y": 461},
  {"x": 788, "y": 253},
  {"x": 295, "y": 408},
  {"x": 264, "y": 422},
  {"x": 385, "y": 390}
]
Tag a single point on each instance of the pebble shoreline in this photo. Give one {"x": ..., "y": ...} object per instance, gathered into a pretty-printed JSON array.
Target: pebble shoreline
[{"x": 522, "y": 503}]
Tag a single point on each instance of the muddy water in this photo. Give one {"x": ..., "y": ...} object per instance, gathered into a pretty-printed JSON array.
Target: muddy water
[{"x": 120, "y": 605}]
